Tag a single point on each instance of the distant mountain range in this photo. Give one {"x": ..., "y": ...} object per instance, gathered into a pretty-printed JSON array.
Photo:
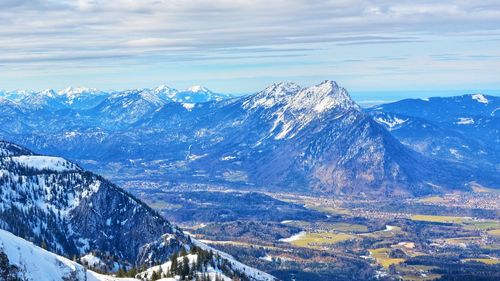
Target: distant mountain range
[
  {"x": 86, "y": 98},
  {"x": 460, "y": 129},
  {"x": 284, "y": 137}
]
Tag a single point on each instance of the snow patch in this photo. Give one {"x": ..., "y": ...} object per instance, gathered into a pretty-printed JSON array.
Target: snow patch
[
  {"x": 455, "y": 153},
  {"x": 92, "y": 260},
  {"x": 227, "y": 158},
  {"x": 465, "y": 121},
  {"x": 390, "y": 122},
  {"x": 294, "y": 237},
  {"x": 188, "y": 106},
  {"x": 44, "y": 163},
  {"x": 480, "y": 98}
]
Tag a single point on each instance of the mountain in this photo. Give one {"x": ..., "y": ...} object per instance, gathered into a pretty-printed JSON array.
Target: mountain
[
  {"x": 460, "y": 129},
  {"x": 284, "y": 137},
  {"x": 51, "y": 201},
  {"x": 198, "y": 94},
  {"x": 80, "y": 98},
  {"x": 313, "y": 138}
]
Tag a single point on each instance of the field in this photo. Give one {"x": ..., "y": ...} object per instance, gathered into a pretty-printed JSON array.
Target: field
[
  {"x": 382, "y": 256},
  {"x": 432, "y": 199},
  {"x": 485, "y": 261},
  {"x": 320, "y": 240},
  {"x": 494, "y": 232},
  {"x": 346, "y": 227},
  {"x": 482, "y": 225},
  {"x": 328, "y": 210},
  {"x": 439, "y": 219},
  {"x": 427, "y": 277},
  {"x": 336, "y": 226}
]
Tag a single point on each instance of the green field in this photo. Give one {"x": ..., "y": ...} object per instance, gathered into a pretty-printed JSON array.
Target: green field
[
  {"x": 485, "y": 261},
  {"x": 381, "y": 255},
  {"x": 428, "y": 277},
  {"x": 482, "y": 225},
  {"x": 319, "y": 240},
  {"x": 328, "y": 210},
  {"x": 440, "y": 219},
  {"x": 346, "y": 227}
]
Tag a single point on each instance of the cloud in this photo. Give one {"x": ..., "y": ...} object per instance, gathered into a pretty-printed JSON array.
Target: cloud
[{"x": 64, "y": 33}]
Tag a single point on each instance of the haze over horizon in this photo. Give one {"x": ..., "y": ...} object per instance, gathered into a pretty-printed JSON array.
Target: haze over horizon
[{"x": 241, "y": 46}]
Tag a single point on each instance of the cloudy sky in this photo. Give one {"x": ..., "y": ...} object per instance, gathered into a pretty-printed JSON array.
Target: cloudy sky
[{"x": 241, "y": 46}]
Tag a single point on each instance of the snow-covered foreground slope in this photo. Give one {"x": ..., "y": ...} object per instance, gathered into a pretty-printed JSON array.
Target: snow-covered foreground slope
[{"x": 38, "y": 264}]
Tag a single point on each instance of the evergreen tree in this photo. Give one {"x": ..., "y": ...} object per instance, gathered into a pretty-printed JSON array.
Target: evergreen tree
[
  {"x": 155, "y": 276},
  {"x": 8, "y": 272},
  {"x": 173, "y": 264},
  {"x": 185, "y": 266}
]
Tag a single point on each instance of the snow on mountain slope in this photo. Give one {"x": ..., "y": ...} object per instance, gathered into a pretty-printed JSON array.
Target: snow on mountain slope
[
  {"x": 296, "y": 107},
  {"x": 250, "y": 272},
  {"x": 52, "y": 201},
  {"x": 480, "y": 98},
  {"x": 461, "y": 128},
  {"x": 166, "y": 267},
  {"x": 198, "y": 94},
  {"x": 38, "y": 264},
  {"x": 50, "y": 163}
]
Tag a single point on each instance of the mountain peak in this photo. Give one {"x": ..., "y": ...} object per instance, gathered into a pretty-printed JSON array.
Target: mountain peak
[
  {"x": 272, "y": 95},
  {"x": 48, "y": 92},
  {"x": 72, "y": 92},
  {"x": 321, "y": 97},
  {"x": 282, "y": 88},
  {"x": 198, "y": 89},
  {"x": 326, "y": 95},
  {"x": 164, "y": 88}
]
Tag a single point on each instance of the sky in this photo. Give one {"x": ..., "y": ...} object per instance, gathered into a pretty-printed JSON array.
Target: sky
[{"x": 235, "y": 46}]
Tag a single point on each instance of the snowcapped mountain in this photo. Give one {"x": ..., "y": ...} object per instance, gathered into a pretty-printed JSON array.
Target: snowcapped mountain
[
  {"x": 54, "y": 202},
  {"x": 283, "y": 137},
  {"x": 461, "y": 129},
  {"x": 198, "y": 94},
  {"x": 82, "y": 98}
]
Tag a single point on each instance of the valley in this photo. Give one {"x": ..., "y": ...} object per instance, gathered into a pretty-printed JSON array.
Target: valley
[{"x": 319, "y": 237}]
